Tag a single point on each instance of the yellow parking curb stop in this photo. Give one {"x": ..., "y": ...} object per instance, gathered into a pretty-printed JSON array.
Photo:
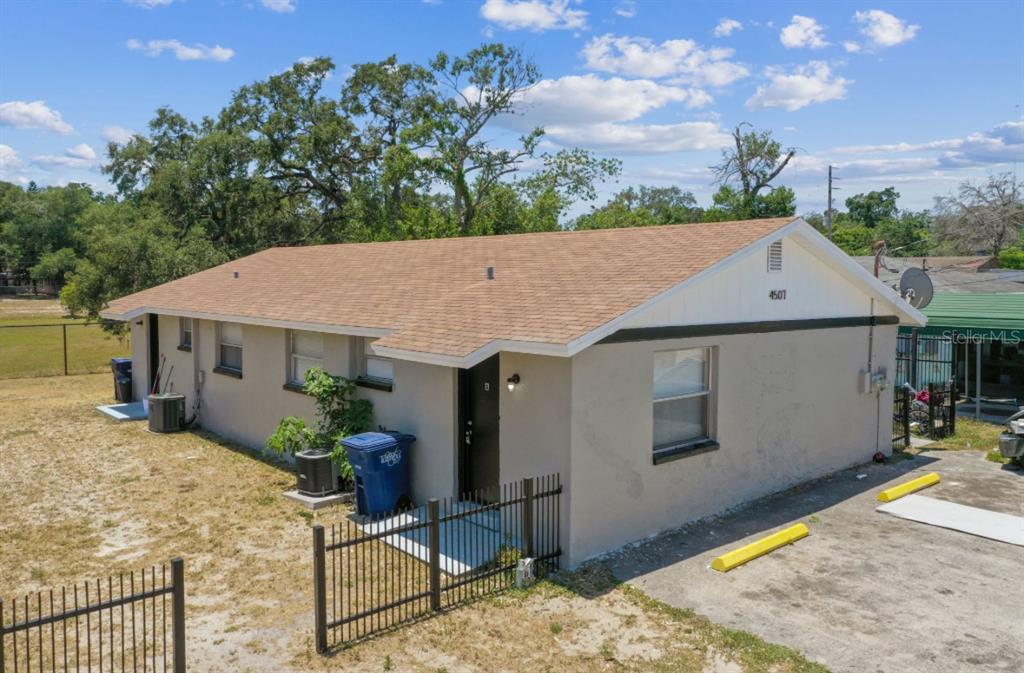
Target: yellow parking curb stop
[
  {"x": 737, "y": 557},
  {"x": 890, "y": 494}
]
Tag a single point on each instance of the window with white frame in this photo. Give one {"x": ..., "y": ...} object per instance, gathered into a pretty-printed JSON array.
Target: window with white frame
[
  {"x": 229, "y": 350},
  {"x": 375, "y": 367},
  {"x": 682, "y": 397},
  {"x": 306, "y": 351},
  {"x": 185, "y": 333}
]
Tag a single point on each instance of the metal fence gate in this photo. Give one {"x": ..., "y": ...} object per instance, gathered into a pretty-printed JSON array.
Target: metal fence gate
[
  {"x": 133, "y": 622},
  {"x": 375, "y": 574},
  {"x": 925, "y": 358},
  {"x": 931, "y": 413}
]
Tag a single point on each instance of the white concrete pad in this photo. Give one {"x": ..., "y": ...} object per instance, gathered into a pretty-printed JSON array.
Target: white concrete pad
[
  {"x": 945, "y": 514},
  {"x": 315, "y": 502},
  {"x": 466, "y": 544},
  {"x": 128, "y": 411}
]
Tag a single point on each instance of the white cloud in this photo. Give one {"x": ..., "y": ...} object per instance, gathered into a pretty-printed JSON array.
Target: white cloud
[
  {"x": 900, "y": 147},
  {"x": 589, "y": 111},
  {"x": 1009, "y": 132},
  {"x": 81, "y": 151},
  {"x": 626, "y": 9},
  {"x": 79, "y": 156},
  {"x": 35, "y": 115},
  {"x": 183, "y": 52},
  {"x": 535, "y": 15},
  {"x": 684, "y": 60},
  {"x": 726, "y": 27},
  {"x": 851, "y": 47},
  {"x": 117, "y": 134},
  {"x": 806, "y": 84},
  {"x": 282, "y": 6},
  {"x": 10, "y": 162},
  {"x": 149, "y": 4},
  {"x": 642, "y": 138},
  {"x": 588, "y": 99},
  {"x": 1002, "y": 144},
  {"x": 803, "y": 31},
  {"x": 883, "y": 29},
  {"x": 9, "y": 158}
]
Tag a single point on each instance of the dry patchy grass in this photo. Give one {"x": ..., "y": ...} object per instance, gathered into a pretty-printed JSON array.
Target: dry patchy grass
[{"x": 84, "y": 497}]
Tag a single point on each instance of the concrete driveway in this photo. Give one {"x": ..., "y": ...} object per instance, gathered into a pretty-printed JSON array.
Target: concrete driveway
[{"x": 865, "y": 591}]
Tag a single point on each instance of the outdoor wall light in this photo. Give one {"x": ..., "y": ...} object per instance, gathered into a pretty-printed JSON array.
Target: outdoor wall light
[{"x": 513, "y": 381}]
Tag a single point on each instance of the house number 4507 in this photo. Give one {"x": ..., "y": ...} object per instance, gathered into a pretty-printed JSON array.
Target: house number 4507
[{"x": 777, "y": 295}]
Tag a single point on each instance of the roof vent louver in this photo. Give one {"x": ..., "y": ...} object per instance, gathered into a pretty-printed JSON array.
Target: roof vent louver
[{"x": 775, "y": 257}]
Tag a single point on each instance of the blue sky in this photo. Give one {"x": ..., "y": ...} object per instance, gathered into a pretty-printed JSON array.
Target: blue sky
[{"x": 919, "y": 95}]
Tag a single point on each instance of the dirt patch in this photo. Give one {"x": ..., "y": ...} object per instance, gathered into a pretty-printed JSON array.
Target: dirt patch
[{"x": 116, "y": 498}]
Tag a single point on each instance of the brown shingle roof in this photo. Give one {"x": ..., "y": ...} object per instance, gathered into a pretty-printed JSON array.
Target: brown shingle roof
[{"x": 434, "y": 294}]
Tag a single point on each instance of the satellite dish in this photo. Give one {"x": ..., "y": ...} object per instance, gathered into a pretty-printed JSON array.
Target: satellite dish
[{"x": 916, "y": 287}]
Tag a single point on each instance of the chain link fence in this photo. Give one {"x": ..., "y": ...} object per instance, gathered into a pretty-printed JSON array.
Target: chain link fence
[{"x": 58, "y": 349}]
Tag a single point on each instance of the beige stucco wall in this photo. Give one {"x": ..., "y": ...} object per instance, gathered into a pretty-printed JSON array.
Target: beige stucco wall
[
  {"x": 247, "y": 410},
  {"x": 178, "y": 375},
  {"x": 422, "y": 403},
  {"x": 535, "y": 433},
  {"x": 789, "y": 408}
]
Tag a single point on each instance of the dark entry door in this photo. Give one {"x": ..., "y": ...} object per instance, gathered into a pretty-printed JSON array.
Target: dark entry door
[
  {"x": 153, "y": 328},
  {"x": 478, "y": 407}
]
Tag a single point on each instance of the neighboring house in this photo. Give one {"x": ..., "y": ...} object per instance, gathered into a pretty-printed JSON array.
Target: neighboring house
[
  {"x": 987, "y": 330},
  {"x": 666, "y": 373},
  {"x": 979, "y": 308},
  {"x": 958, "y": 275}
]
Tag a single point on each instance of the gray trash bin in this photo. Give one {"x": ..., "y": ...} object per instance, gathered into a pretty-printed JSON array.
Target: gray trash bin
[{"x": 122, "y": 368}]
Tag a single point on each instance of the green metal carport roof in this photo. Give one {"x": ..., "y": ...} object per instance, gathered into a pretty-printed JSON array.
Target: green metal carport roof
[{"x": 986, "y": 316}]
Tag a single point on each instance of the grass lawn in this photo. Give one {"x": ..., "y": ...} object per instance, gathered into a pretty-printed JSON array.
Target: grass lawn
[
  {"x": 39, "y": 351},
  {"x": 972, "y": 435},
  {"x": 117, "y": 498}
]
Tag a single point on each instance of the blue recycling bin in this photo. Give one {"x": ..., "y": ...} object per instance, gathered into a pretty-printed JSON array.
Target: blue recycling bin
[{"x": 380, "y": 464}]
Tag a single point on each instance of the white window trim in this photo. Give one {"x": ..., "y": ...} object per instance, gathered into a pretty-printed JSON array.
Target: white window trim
[
  {"x": 366, "y": 356},
  {"x": 221, "y": 343},
  {"x": 709, "y": 407},
  {"x": 294, "y": 357},
  {"x": 182, "y": 331}
]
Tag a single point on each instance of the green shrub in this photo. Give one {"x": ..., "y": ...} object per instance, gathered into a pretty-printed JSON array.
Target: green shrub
[
  {"x": 1012, "y": 258},
  {"x": 339, "y": 415}
]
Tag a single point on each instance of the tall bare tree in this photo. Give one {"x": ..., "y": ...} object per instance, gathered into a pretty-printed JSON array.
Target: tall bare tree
[
  {"x": 755, "y": 160},
  {"x": 980, "y": 217}
]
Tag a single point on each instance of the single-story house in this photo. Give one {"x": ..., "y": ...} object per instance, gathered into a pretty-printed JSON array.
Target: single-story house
[{"x": 666, "y": 373}]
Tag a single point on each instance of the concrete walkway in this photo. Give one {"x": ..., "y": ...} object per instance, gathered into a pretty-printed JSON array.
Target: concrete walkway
[{"x": 865, "y": 592}]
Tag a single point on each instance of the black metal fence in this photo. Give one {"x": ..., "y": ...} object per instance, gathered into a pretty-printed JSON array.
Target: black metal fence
[
  {"x": 901, "y": 400},
  {"x": 931, "y": 415},
  {"x": 372, "y": 575},
  {"x": 925, "y": 358},
  {"x": 133, "y": 622},
  {"x": 56, "y": 348}
]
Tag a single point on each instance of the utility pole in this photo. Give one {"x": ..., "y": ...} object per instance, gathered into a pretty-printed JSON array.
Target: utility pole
[{"x": 828, "y": 210}]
